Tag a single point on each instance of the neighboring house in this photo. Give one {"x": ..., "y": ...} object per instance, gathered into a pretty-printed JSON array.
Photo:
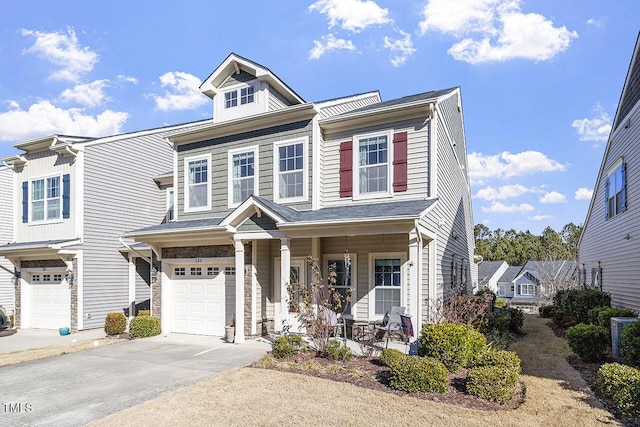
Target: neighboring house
[
  {"x": 609, "y": 247},
  {"x": 73, "y": 198},
  {"x": 506, "y": 282},
  {"x": 538, "y": 281},
  {"x": 380, "y": 189},
  {"x": 6, "y": 235},
  {"x": 489, "y": 272}
]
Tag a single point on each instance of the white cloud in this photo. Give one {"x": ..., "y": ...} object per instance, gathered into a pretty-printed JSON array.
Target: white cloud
[
  {"x": 352, "y": 15},
  {"x": 497, "y": 207},
  {"x": 540, "y": 217},
  {"x": 583, "y": 193},
  {"x": 553, "y": 197},
  {"x": 181, "y": 92},
  {"x": 89, "y": 94},
  {"x": 64, "y": 51},
  {"x": 597, "y": 22},
  {"x": 403, "y": 48},
  {"x": 507, "y": 165},
  {"x": 495, "y": 30},
  {"x": 329, "y": 43},
  {"x": 44, "y": 118},
  {"x": 597, "y": 128},
  {"x": 127, "y": 79},
  {"x": 503, "y": 192}
]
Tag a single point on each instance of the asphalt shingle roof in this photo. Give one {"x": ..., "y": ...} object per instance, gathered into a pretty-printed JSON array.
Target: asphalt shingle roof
[
  {"x": 404, "y": 100},
  {"x": 487, "y": 269},
  {"x": 510, "y": 273}
]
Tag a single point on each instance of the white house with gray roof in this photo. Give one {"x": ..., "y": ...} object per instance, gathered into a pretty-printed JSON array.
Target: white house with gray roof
[
  {"x": 609, "y": 247},
  {"x": 72, "y": 197},
  {"x": 378, "y": 188},
  {"x": 489, "y": 272}
]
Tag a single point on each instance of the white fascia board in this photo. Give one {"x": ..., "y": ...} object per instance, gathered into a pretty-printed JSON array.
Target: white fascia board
[
  {"x": 409, "y": 109},
  {"x": 362, "y": 221},
  {"x": 336, "y": 101},
  {"x": 251, "y": 206}
]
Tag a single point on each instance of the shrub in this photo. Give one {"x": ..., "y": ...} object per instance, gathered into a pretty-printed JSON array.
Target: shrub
[
  {"x": 115, "y": 324},
  {"x": 144, "y": 312},
  {"x": 414, "y": 373},
  {"x": 590, "y": 342},
  {"x": 288, "y": 345},
  {"x": 336, "y": 351},
  {"x": 547, "y": 311},
  {"x": 453, "y": 345},
  {"x": 578, "y": 302},
  {"x": 506, "y": 359},
  {"x": 494, "y": 383},
  {"x": 563, "y": 319},
  {"x": 601, "y": 316},
  {"x": 391, "y": 356},
  {"x": 621, "y": 384},
  {"x": 11, "y": 320},
  {"x": 144, "y": 327},
  {"x": 631, "y": 343},
  {"x": 500, "y": 303}
]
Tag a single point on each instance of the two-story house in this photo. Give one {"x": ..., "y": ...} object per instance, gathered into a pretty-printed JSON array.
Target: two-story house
[
  {"x": 6, "y": 235},
  {"x": 73, "y": 197},
  {"x": 488, "y": 274},
  {"x": 609, "y": 247},
  {"x": 380, "y": 189}
]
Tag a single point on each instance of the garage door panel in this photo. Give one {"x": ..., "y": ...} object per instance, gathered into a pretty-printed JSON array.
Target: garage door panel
[{"x": 50, "y": 304}]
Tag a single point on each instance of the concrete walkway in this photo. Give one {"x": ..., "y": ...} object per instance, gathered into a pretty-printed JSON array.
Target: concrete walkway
[
  {"x": 74, "y": 389},
  {"x": 26, "y": 339}
]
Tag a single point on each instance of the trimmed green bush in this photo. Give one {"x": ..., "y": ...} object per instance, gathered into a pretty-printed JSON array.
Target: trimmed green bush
[
  {"x": 453, "y": 345},
  {"x": 631, "y": 344},
  {"x": 578, "y": 302},
  {"x": 419, "y": 374},
  {"x": 115, "y": 324},
  {"x": 288, "y": 345},
  {"x": 621, "y": 383},
  {"x": 601, "y": 316},
  {"x": 144, "y": 312},
  {"x": 590, "y": 342},
  {"x": 493, "y": 383},
  {"x": 506, "y": 359},
  {"x": 391, "y": 356},
  {"x": 336, "y": 351},
  {"x": 500, "y": 303},
  {"x": 144, "y": 327},
  {"x": 546, "y": 311}
]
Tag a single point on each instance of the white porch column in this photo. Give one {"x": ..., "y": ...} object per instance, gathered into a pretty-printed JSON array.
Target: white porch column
[
  {"x": 254, "y": 287},
  {"x": 132, "y": 285},
  {"x": 414, "y": 280},
  {"x": 239, "y": 249},
  {"x": 282, "y": 306}
]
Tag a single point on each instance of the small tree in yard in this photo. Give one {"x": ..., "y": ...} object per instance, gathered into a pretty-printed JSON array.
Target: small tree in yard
[{"x": 318, "y": 304}]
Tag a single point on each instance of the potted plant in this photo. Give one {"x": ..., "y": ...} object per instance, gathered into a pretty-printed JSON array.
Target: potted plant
[{"x": 230, "y": 330}]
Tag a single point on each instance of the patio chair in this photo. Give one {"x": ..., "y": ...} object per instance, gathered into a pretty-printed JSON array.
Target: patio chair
[
  {"x": 337, "y": 322},
  {"x": 391, "y": 324}
]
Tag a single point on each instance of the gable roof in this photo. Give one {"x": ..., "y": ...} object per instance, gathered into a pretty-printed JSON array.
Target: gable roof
[
  {"x": 551, "y": 270},
  {"x": 410, "y": 99},
  {"x": 234, "y": 63},
  {"x": 487, "y": 269},
  {"x": 630, "y": 93},
  {"x": 510, "y": 274}
]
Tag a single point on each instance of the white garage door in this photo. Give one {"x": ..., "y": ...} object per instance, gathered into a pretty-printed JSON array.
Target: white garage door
[
  {"x": 50, "y": 301},
  {"x": 203, "y": 299}
]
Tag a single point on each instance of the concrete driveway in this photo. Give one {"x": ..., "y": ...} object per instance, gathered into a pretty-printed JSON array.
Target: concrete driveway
[
  {"x": 25, "y": 339},
  {"x": 77, "y": 388}
]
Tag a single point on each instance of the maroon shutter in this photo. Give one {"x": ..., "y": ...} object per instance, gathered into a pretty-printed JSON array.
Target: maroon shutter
[
  {"x": 346, "y": 169},
  {"x": 400, "y": 161}
]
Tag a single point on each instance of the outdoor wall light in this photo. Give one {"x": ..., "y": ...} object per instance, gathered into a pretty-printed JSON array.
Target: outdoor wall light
[
  {"x": 15, "y": 280},
  {"x": 154, "y": 273},
  {"x": 69, "y": 278}
]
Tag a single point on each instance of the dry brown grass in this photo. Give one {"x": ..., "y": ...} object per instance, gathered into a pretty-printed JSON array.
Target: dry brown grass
[
  {"x": 556, "y": 395},
  {"x": 56, "y": 350}
]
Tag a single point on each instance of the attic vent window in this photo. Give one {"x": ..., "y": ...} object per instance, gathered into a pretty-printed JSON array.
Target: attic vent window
[{"x": 247, "y": 96}]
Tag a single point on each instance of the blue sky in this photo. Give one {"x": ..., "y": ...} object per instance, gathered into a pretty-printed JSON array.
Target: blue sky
[{"x": 540, "y": 80}]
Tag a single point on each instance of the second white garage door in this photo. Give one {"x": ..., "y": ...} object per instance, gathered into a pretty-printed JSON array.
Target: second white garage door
[
  {"x": 201, "y": 299},
  {"x": 50, "y": 301}
]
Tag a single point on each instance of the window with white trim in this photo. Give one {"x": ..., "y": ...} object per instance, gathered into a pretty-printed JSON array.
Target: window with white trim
[
  {"x": 343, "y": 281},
  {"x": 197, "y": 183},
  {"x": 243, "y": 166},
  {"x": 213, "y": 271},
  {"x": 290, "y": 175},
  {"x": 231, "y": 99},
  {"x": 247, "y": 96},
  {"x": 230, "y": 271},
  {"x": 46, "y": 199},
  {"x": 179, "y": 271},
  {"x": 170, "y": 204},
  {"x": 527, "y": 289},
  {"x": 387, "y": 280},
  {"x": 196, "y": 271},
  {"x": 372, "y": 164},
  {"x": 616, "y": 189}
]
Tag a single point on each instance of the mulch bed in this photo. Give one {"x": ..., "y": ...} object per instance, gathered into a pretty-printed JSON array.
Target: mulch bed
[{"x": 369, "y": 373}]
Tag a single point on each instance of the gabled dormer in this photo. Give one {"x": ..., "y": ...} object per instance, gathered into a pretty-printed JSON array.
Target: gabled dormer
[{"x": 240, "y": 88}]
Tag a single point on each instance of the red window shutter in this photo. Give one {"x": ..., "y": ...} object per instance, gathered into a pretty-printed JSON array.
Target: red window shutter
[
  {"x": 400, "y": 161},
  {"x": 346, "y": 169}
]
